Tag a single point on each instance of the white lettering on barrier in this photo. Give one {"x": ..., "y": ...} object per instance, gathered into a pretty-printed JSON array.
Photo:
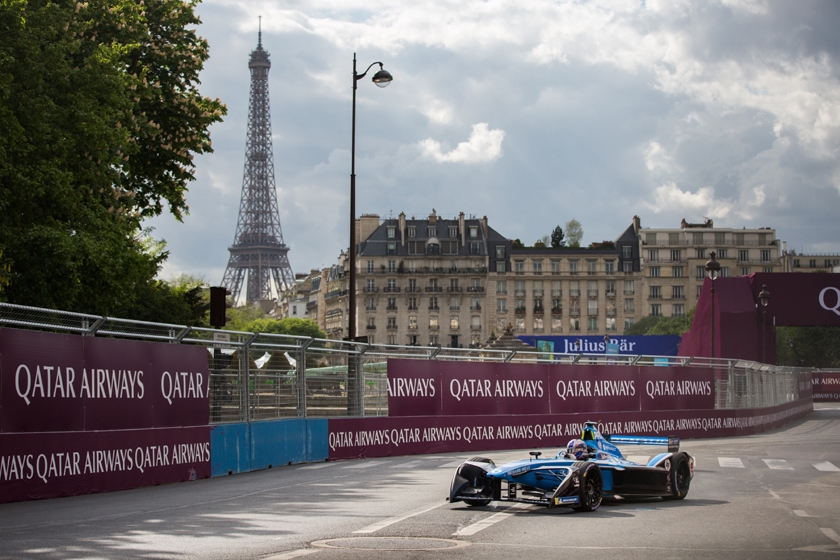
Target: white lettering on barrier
[
  {"x": 411, "y": 387},
  {"x": 598, "y": 388},
  {"x": 55, "y": 382},
  {"x": 181, "y": 385},
  {"x": 836, "y": 308}
]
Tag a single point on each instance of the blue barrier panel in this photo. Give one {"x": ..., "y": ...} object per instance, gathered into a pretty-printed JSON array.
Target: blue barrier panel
[
  {"x": 278, "y": 442},
  {"x": 230, "y": 446},
  {"x": 317, "y": 439}
]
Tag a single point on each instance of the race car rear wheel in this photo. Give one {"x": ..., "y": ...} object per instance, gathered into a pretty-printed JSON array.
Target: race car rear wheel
[
  {"x": 477, "y": 503},
  {"x": 591, "y": 487},
  {"x": 680, "y": 478}
]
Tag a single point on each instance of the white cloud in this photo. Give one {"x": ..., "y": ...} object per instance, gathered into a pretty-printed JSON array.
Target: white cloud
[
  {"x": 484, "y": 145},
  {"x": 670, "y": 198}
]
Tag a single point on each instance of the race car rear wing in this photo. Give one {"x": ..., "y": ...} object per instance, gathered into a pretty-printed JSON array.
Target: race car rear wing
[{"x": 673, "y": 442}]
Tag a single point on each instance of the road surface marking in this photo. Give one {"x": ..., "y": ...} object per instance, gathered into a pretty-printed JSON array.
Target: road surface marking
[
  {"x": 831, "y": 534},
  {"x": 292, "y": 554},
  {"x": 409, "y": 465},
  {"x": 318, "y": 466},
  {"x": 730, "y": 462},
  {"x": 489, "y": 522},
  {"x": 778, "y": 464},
  {"x": 390, "y": 521},
  {"x": 802, "y": 513},
  {"x": 453, "y": 464},
  {"x": 367, "y": 465},
  {"x": 641, "y": 459},
  {"x": 826, "y": 466}
]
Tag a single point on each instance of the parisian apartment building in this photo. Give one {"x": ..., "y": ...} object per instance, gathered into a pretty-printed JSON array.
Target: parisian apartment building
[{"x": 455, "y": 281}]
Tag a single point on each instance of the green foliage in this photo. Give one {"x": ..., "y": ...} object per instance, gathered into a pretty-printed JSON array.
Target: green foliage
[
  {"x": 289, "y": 325},
  {"x": 99, "y": 121},
  {"x": 240, "y": 317},
  {"x": 808, "y": 346},
  {"x": 574, "y": 233},
  {"x": 517, "y": 244},
  {"x": 539, "y": 245},
  {"x": 557, "y": 238},
  {"x": 662, "y": 325}
]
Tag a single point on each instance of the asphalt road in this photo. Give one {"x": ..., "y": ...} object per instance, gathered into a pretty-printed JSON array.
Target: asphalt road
[{"x": 775, "y": 495}]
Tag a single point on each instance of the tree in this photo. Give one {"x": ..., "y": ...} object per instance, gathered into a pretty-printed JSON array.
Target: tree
[
  {"x": 574, "y": 232},
  {"x": 516, "y": 244},
  {"x": 99, "y": 121},
  {"x": 661, "y": 325},
  {"x": 288, "y": 325},
  {"x": 808, "y": 346},
  {"x": 557, "y": 238}
]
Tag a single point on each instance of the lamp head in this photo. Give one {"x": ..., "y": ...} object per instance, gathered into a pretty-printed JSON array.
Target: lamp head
[
  {"x": 712, "y": 266},
  {"x": 382, "y": 78},
  {"x": 764, "y": 295}
]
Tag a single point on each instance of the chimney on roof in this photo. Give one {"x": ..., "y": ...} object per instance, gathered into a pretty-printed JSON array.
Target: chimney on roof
[
  {"x": 461, "y": 229},
  {"x": 637, "y": 224},
  {"x": 484, "y": 226},
  {"x": 402, "y": 229}
]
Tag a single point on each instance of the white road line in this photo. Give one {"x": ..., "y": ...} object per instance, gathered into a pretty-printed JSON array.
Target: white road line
[
  {"x": 409, "y": 465},
  {"x": 831, "y": 534},
  {"x": 802, "y": 513},
  {"x": 641, "y": 459},
  {"x": 489, "y": 522},
  {"x": 453, "y": 464},
  {"x": 318, "y": 466},
  {"x": 778, "y": 464},
  {"x": 730, "y": 462},
  {"x": 390, "y": 521},
  {"x": 292, "y": 554},
  {"x": 367, "y": 465},
  {"x": 826, "y": 466}
]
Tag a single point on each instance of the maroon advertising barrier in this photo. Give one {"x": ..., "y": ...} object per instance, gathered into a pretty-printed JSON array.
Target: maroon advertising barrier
[
  {"x": 351, "y": 438},
  {"x": 825, "y": 386},
  {"x": 420, "y": 388},
  {"x": 54, "y": 464},
  {"x": 83, "y": 414},
  {"x": 58, "y": 382}
]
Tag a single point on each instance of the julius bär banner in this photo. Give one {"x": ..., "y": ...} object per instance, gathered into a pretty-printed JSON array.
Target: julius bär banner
[
  {"x": 49, "y": 465},
  {"x": 422, "y": 388},
  {"x": 825, "y": 386},
  {"x": 57, "y": 382}
]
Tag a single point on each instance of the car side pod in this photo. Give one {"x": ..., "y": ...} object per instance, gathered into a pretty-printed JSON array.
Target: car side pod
[{"x": 470, "y": 483}]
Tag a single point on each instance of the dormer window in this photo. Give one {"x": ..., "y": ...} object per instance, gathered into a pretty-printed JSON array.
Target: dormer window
[
  {"x": 431, "y": 231},
  {"x": 453, "y": 231},
  {"x": 392, "y": 232},
  {"x": 412, "y": 231}
]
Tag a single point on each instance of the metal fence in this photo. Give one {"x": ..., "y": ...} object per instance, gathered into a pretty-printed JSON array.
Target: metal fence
[{"x": 259, "y": 376}]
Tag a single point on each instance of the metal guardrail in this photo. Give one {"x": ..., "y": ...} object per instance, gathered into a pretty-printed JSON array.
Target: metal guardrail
[{"x": 260, "y": 376}]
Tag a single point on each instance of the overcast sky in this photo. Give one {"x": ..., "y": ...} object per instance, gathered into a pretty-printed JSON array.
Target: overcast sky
[{"x": 530, "y": 113}]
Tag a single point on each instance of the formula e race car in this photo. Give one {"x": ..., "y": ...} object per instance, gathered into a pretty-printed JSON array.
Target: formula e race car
[{"x": 580, "y": 476}]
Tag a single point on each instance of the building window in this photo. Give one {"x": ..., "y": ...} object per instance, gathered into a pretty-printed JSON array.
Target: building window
[
  {"x": 473, "y": 232},
  {"x": 557, "y": 305},
  {"x": 454, "y": 303},
  {"x": 721, "y": 253},
  {"x": 556, "y": 324},
  {"x": 475, "y": 305},
  {"x": 626, "y": 252},
  {"x": 592, "y": 324},
  {"x": 392, "y": 232},
  {"x": 812, "y": 263},
  {"x": 745, "y": 271},
  {"x": 609, "y": 267},
  {"x": 767, "y": 269},
  {"x": 673, "y": 239},
  {"x": 500, "y": 251},
  {"x": 700, "y": 272},
  {"x": 519, "y": 306},
  {"x": 519, "y": 288},
  {"x": 655, "y": 292},
  {"x": 371, "y": 285},
  {"x": 653, "y": 255},
  {"x": 537, "y": 267},
  {"x": 520, "y": 325},
  {"x": 556, "y": 288},
  {"x": 628, "y": 322},
  {"x": 392, "y": 322},
  {"x": 475, "y": 248},
  {"x": 453, "y": 231},
  {"x": 698, "y": 239},
  {"x": 677, "y": 292},
  {"x": 431, "y": 232},
  {"x": 699, "y": 290},
  {"x": 650, "y": 238},
  {"x": 591, "y": 266},
  {"x": 555, "y": 266},
  {"x": 574, "y": 324},
  {"x": 433, "y": 322},
  {"x": 392, "y": 266},
  {"x": 656, "y": 310},
  {"x": 392, "y": 304},
  {"x": 743, "y": 255},
  {"x": 700, "y": 253},
  {"x": 629, "y": 305},
  {"x": 416, "y": 247},
  {"x": 629, "y": 287},
  {"x": 627, "y": 267},
  {"x": 371, "y": 323},
  {"x": 574, "y": 290},
  {"x": 592, "y": 307},
  {"x": 370, "y": 267},
  {"x": 538, "y": 324},
  {"x": 449, "y": 247},
  {"x": 392, "y": 248},
  {"x": 412, "y": 231},
  {"x": 500, "y": 267},
  {"x": 392, "y": 339},
  {"x": 765, "y": 256},
  {"x": 475, "y": 323},
  {"x": 412, "y": 322},
  {"x": 433, "y": 303},
  {"x": 501, "y": 305},
  {"x": 538, "y": 288},
  {"x": 369, "y": 305},
  {"x": 501, "y": 286},
  {"x": 654, "y": 271},
  {"x": 454, "y": 322},
  {"x": 678, "y": 310},
  {"x": 611, "y": 324},
  {"x": 592, "y": 288},
  {"x": 519, "y": 267},
  {"x": 412, "y": 304},
  {"x": 676, "y": 255},
  {"x": 724, "y": 272},
  {"x": 433, "y": 340},
  {"x": 573, "y": 266},
  {"x": 720, "y": 238}
]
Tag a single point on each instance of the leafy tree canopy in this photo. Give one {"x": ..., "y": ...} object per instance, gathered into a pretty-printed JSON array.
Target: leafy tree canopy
[
  {"x": 100, "y": 118},
  {"x": 574, "y": 233},
  {"x": 289, "y": 325},
  {"x": 808, "y": 346},
  {"x": 517, "y": 244},
  {"x": 661, "y": 325}
]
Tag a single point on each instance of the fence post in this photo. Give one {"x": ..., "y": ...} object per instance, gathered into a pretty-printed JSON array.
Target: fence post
[
  {"x": 246, "y": 346},
  {"x": 300, "y": 374},
  {"x": 360, "y": 385}
]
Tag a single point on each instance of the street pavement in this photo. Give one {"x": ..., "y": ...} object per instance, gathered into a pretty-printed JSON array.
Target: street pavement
[{"x": 773, "y": 495}]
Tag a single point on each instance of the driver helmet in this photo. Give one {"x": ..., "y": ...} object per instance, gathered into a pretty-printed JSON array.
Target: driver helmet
[{"x": 576, "y": 447}]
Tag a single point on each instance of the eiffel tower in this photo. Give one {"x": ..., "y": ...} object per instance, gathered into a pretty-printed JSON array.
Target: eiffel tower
[{"x": 258, "y": 250}]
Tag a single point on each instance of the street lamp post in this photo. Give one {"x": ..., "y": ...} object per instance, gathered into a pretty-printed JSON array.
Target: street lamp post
[
  {"x": 764, "y": 298},
  {"x": 713, "y": 269},
  {"x": 382, "y": 78}
]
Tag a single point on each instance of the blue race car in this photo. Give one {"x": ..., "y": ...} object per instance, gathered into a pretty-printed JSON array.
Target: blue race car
[{"x": 580, "y": 477}]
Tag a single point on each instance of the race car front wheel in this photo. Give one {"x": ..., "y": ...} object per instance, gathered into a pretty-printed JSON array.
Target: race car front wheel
[
  {"x": 591, "y": 487},
  {"x": 680, "y": 476}
]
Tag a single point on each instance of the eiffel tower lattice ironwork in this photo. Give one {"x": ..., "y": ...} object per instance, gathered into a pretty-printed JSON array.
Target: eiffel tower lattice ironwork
[{"x": 258, "y": 250}]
